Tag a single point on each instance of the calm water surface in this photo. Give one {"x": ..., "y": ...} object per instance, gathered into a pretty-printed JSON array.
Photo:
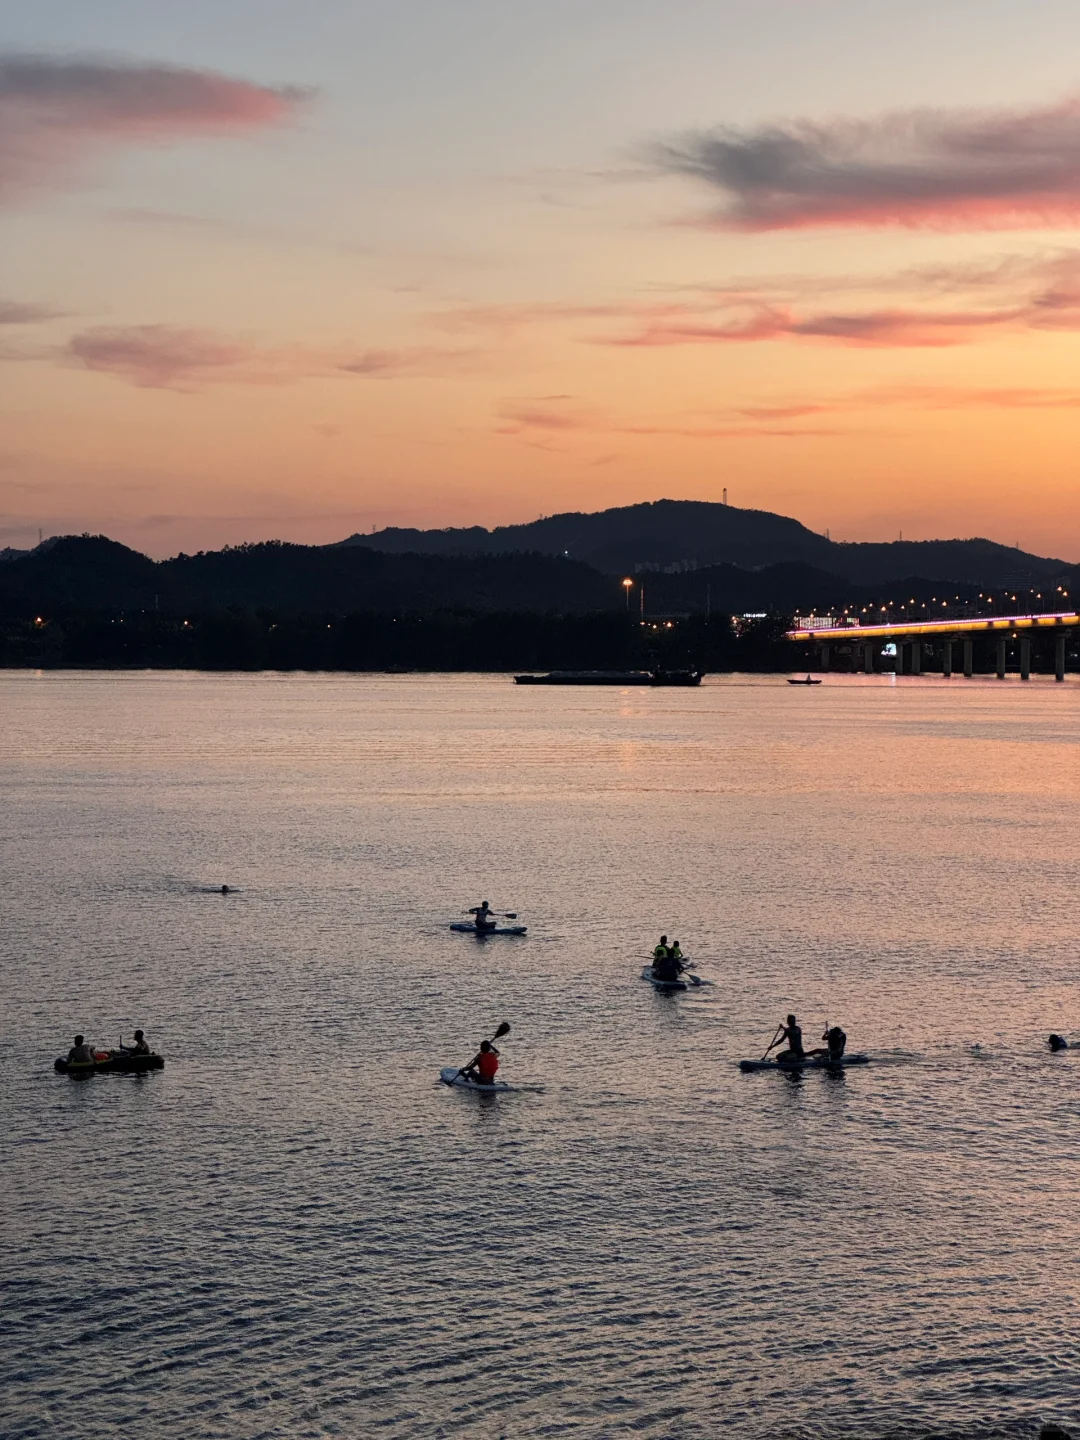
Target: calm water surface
[{"x": 294, "y": 1231}]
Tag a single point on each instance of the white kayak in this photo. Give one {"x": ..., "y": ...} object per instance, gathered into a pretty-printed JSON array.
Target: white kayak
[
  {"x": 467, "y": 928},
  {"x": 685, "y": 981},
  {"x": 453, "y": 1076},
  {"x": 811, "y": 1062}
]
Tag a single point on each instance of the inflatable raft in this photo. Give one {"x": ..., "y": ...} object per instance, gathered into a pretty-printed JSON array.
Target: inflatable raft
[{"x": 107, "y": 1062}]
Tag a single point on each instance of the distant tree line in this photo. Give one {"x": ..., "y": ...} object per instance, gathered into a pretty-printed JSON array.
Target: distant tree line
[{"x": 450, "y": 640}]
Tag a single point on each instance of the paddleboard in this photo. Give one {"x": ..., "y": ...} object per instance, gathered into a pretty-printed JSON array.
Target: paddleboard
[
  {"x": 452, "y": 1076},
  {"x": 813, "y": 1062},
  {"x": 465, "y": 928},
  {"x": 667, "y": 986}
]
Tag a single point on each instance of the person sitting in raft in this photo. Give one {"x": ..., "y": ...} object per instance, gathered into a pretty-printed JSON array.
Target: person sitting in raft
[
  {"x": 483, "y": 1067},
  {"x": 1058, "y": 1042},
  {"x": 484, "y": 918},
  {"x": 792, "y": 1033},
  {"x": 139, "y": 1048},
  {"x": 80, "y": 1053},
  {"x": 675, "y": 951}
]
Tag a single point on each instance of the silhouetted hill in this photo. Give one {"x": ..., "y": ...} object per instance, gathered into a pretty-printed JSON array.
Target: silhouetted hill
[
  {"x": 92, "y": 573},
  {"x": 701, "y": 533}
]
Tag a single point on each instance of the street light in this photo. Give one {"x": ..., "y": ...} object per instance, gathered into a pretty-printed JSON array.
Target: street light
[{"x": 628, "y": 585}]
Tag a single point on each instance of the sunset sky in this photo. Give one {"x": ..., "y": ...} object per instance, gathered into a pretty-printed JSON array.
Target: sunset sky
[{"x": 284, "y": 270}]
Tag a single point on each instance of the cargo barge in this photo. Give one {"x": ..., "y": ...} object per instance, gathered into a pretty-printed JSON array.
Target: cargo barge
[{"x": 613, "y": 677}]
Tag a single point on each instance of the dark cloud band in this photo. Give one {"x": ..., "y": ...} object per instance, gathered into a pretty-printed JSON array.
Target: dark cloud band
[{"x": 995, "y": 169}]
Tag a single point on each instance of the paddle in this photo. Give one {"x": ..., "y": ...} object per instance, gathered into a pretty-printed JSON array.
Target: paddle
[
  {"x": 504, "y": 1029},
  {"x": 775, "y": 1038}
]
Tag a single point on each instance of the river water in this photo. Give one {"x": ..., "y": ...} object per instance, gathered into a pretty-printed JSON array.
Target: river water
[{"x": 294, "y": 1231}]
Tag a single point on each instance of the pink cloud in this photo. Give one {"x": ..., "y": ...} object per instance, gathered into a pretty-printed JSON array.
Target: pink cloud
[
  {"x": 56, "y": 115},
  {"x": 892, "y": 328}
]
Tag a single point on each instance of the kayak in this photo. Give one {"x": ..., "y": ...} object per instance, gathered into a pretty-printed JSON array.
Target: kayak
[
  {"x": 812, "y": 1062},
  {"x": 110, "y": 1063},
  {"x": 466, "y": 928},
  {"x": 452, "y": 1076},
  {"x": 669, "y": 986}
]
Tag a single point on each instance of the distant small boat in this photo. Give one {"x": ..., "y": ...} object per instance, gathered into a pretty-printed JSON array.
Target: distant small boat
[{"x": 808, "y": 681}]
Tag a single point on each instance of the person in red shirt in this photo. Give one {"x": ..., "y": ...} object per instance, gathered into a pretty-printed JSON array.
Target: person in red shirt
[{"x": 483, "y": 1066}]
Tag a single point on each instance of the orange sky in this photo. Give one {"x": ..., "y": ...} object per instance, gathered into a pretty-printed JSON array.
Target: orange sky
[{"x": 265, "y": 278}]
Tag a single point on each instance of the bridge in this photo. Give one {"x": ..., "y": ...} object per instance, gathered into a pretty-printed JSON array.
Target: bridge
[{"x": 914, "y": 640}]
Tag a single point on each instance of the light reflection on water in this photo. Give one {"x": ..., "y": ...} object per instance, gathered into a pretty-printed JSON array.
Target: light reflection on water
[{"x": 294, "y": 1231}]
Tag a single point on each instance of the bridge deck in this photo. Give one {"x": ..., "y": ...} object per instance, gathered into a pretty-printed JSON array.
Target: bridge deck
[{"x": 946, "y": 629}]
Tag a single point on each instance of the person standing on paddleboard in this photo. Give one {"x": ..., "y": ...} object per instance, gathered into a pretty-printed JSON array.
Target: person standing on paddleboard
[{"x": 484, "y": 1066}]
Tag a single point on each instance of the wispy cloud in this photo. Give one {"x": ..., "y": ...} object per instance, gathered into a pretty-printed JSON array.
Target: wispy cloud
[
  {"x": 25, "y": 312},
  {"x": 57, "y": 114},
  {"x": 890, "y": 328},
  {"x": 931, "y": 307},
  {"x": 914, "y": 397},
  {"x": 949, "y": 169},
  {"x": 553, "y": 415},
  {"x": 170, "y": 357}
]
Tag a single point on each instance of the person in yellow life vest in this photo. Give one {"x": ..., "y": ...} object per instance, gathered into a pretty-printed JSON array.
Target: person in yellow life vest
[{"x": 665, "y": 964}]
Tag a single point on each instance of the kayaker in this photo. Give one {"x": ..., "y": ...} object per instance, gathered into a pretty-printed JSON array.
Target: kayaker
[
  {"x": 792, "y": 1033},
  {"x": 483, "y": 1066},
  {"x": 80, "y": 1053},
  {"x": 661, "y": 951},
  {"x": 1058, "y": 1042},
  {"x": 484, "y": 918},
  {"x": 139, "y": 1048},
  {"x": 675, "y": 951},
  {"x": 225, "y": 889}
]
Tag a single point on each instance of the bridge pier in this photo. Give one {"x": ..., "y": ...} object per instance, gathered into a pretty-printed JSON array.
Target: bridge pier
[
  {"x": 900, "y": 648},
  {"x": 1025, "y": 657},
  {"x": 824, "y": 657},
  {"x": 868, "y": 654},
  {"x": 1001, "y": 659},
  {"x": 1059, "y": 658},
  {"x": 969, "y": 651},
  {"x": 946, "y": 660},
  {"x": 916, "y": 657}
]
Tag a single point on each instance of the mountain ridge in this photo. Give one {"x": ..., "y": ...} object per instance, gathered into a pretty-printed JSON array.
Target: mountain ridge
[{"x": 659, "y": 533}]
